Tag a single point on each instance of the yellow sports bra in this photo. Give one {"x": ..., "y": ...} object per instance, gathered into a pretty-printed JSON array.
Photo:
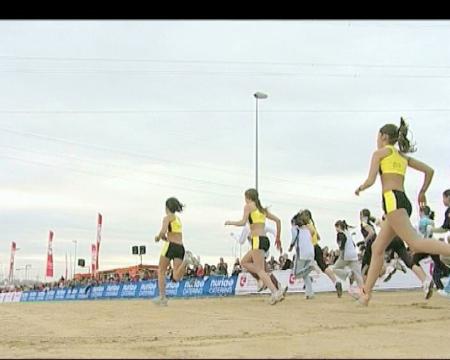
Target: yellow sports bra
[
  {"x": 393, "y": 163},
  {"x": 256, "y": 217},
  {"x": 175, "y": 225},
  {"x": 314, "y": 238}
]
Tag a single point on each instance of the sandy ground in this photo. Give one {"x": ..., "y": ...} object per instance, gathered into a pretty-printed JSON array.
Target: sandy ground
[{"x": 395, "y": 325}]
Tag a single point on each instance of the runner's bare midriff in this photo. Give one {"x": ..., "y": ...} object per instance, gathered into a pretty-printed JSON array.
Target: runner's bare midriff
[
  {"x": 258, "y": 229},
  {"x": 392, "y": 182}
]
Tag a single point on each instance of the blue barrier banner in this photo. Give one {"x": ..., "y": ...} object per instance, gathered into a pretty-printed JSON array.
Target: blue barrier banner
[
  {"x": 97, "y": 292},
  {"x": 129, "y": 290},
  {"x": 220, "y": 286},
  {"x": 174, "y": 288},
  {"x": 83, "y": 293},
  {"x": 50, "y": 295},
  {"x": 193, "y": 287},
  {"x": 112, "y": 291},
  {"x": 32, "y": 295},
  {"x": 40, "y": 296},
  {"x": 60, "y": 294},
  {"x": 24, "y": 296},
  {"x": 71, "y": 294},
  {"x": 148, "y": 289}
]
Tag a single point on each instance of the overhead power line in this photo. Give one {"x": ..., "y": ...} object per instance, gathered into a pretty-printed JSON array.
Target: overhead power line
[
  {"x": 215, "y": 62},
  {"x": 223, "y": 73},
  {"x": 181, "y": 111}
]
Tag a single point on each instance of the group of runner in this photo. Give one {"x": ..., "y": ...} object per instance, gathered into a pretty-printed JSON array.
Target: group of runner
[{"x": 395, "y": 229}]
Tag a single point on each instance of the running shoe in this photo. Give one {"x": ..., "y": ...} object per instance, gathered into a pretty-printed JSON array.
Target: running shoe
[
  {"x": 260, "y": 287},
  {"x": 338, "y": 287},
  {"x": 309, "y": 297},
  {"x": 354, "y": 293},
  {"x": 428, "y": 288},
  {"x": 276, "y": 297},
  {"x": 160, "y": 301},
  {"x": 283, "y": 291},
  {"x": 191, "y": 259}
]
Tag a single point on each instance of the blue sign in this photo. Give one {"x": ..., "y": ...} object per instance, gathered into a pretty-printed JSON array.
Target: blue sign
[
  {"x": 71, "y": 294},
  {"x": 220, "y": 286},
  {"x": 97, "y": 291},
  {"x": 193, "y": 287},
  {"x": 60, "y": 294},
  {"x": 148, "y": 289},
  {"x": 50, "y": 295},
  {"x": 83, "y": 293},
  {"x": 40, "y": 296},
  {"x": 112, "y": 291},
  {"x": 173, "y": 288},
  {"x": 129, "y": 290},
  {"x": 32, "y": 295}
]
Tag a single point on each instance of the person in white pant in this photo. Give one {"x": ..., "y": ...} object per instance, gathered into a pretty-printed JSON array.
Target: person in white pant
[
  {"x": 304, "y": 251},
  {"x": 348, "y": 255}
]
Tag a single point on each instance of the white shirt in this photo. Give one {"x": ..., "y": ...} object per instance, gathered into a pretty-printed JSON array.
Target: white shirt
[
  {"x": 301, "y": 236},
  {"x": 350, "y": 252},
  {"x": 246, "y": 232}
]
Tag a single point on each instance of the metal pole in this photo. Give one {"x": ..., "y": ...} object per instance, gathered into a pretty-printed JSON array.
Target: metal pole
[
  {"x": 256, "y": 151},
  {"x": 75, "y": 260},
  {"x": 27, "y": 266}
]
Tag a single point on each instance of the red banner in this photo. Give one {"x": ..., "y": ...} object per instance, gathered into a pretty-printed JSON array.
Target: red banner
[
  {"x": 49, "y": 271},
  {"x": 11, "y": 262},
  {"x": 99, "y": 238},
  {"x": 94, "y": 259}
]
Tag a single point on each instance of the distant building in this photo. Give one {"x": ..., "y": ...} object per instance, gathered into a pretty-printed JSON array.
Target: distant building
[{"x": 150, "y": 271}]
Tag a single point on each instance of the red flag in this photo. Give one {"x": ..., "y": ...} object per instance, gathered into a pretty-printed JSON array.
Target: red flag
[
  {"x": 94, "y": 259},
  {"x": 99, "y": 238},
  {"x": 11, "y": 262},
  {"x": 49, "y": 271}
]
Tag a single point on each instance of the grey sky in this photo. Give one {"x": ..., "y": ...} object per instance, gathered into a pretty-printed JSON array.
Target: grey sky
[{"x": 116, "y": 116}]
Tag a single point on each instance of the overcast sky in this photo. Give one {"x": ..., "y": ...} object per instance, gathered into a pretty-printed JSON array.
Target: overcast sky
[{"x": 117, "y": 116}]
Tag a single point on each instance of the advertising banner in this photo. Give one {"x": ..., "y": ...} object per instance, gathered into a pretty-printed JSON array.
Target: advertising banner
[{"x": 49, "y": 268}]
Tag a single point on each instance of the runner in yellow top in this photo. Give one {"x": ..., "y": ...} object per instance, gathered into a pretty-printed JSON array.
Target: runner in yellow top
[
  {"x": 173, "y": 249},
  {"x": 318, "y": 253},
  {"x": 392, "y": 164},
  {"x": 254, "y": 261}
]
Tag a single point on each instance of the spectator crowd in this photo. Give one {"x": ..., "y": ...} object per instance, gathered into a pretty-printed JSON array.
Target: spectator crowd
[{"x": 220, "y": 269}]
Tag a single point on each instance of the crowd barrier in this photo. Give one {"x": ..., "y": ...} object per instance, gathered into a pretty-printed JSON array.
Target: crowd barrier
[
  {"x": 246, "y": 284},
  {"x": 243, "y": 284},
  {"x": 195, "y": 287}
]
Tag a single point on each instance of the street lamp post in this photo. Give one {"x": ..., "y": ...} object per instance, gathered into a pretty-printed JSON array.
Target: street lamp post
[
  {"x": 17, "y": 270},
  {"x": 27, "y": 266},
  {"x": 75, "y": 259},
  {"x": 258, "y": 95}
]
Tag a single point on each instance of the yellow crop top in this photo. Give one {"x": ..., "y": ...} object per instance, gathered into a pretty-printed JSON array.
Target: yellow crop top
[
  {"x": 175, "y": 225},
  {"x": 393, "y": 163},
  {"x": 314, "y": 238},
  {"x": 256, "y": 217}
]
